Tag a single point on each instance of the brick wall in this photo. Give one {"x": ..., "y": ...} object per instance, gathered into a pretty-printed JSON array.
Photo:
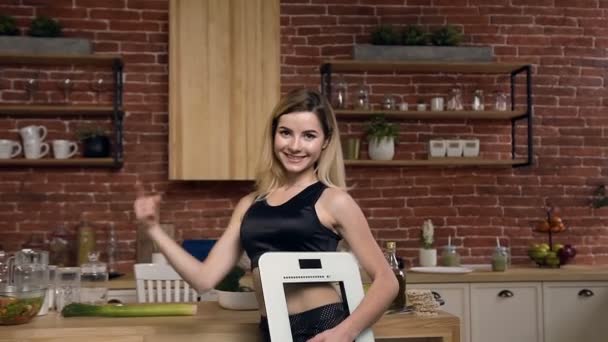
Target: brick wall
[{"x": 564, "y": 40}]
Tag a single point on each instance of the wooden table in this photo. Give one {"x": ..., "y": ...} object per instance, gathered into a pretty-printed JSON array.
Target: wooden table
[{"x": 212, "y": 323}]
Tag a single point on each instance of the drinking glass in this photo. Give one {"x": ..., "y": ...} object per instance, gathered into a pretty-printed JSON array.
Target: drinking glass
[
  {"x": 99, "y": 85},
  {"x": 31, "y": 87},
  {"x": 66, "y": 85},
  {"x": 68, "y": 286}
]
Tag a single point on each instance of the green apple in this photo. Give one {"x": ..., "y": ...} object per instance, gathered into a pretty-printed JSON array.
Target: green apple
[
  {"x": 538, "y": 254},
  {"x": 544, "y": 246},
  {"x": 557, "y": 247}
]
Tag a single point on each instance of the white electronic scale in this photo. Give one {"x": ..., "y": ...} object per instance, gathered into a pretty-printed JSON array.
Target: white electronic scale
[{"x": 279, "y": 268}]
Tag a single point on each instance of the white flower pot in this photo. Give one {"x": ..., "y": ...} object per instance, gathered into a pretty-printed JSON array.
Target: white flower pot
[
  {"x": 381, "y": 149},
  {"x": 427, "y": 257}
]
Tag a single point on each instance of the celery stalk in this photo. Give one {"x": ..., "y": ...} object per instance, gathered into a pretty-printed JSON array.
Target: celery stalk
[{"x": 129, "y": 310}]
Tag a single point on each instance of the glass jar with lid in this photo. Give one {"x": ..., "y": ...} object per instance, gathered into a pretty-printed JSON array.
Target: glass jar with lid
[
  {"x": 362, "y": 98},
  {"x": 93, "y": 280},
  {"x": 450, "y": 257},
  {"x": 500, "y": 259},
  {"x": 60, "y": 247},
  {"x": 501, "y": 101},
  {"x": 388, "y": 102},
  {"x": 478, "y": 100},
  {"x": 455, "y": 100},
  {"x": 340, "y": 98}
]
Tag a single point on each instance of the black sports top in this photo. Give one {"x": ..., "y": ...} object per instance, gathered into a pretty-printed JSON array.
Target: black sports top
[{"x": 290, "y": 227}]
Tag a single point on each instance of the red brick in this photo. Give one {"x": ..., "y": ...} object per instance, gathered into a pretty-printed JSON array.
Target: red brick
[
  {"x": 538, "y": 3},
  {"x": 96, "y": 4},
  {"x": 351, "y": 10},
  {"x": 115, "y": 14},
  {"x": 137, "y": 26},
  {"x": 303, "y": 10},
  {"x": 148, "y": 4},
  {"x": 510, "y": 20},
  {"x": 576, "y": 3}
]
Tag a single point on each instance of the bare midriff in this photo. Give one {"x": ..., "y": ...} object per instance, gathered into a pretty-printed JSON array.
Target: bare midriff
[{"x": 300, "y": 297}]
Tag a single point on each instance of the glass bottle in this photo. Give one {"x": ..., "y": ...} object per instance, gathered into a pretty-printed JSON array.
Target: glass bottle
[
  {"x": 93, "y": 280},
  {"x": 362, "y": 98},
  {"x": 59, "y": 247},
  {"x": 501, "y": 101},
  {"x": 86, "y": 242},
  {"x": 111, "y": 249},
  {"x": 450, "y": 257},
  {"x": 478, "y": 100},
  {"x": 391, "y": 256},
  {"x": 500, "y": 259},
  {"x": 340, "y": 99}
]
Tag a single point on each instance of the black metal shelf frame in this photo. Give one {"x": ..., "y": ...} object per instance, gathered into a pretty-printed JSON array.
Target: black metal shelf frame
[
  {"x": 117, "y": 112},
  {"x": 326, "y": 89}
]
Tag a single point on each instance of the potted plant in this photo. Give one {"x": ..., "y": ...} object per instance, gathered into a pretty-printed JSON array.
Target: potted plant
[
  {"x": 385, "y": 35},
  {"x": 413, "y": 35},
  {"x": 8, "y": 26},
  {"x": 95, "y": 142},
  {"x": 234, "y": 296},
  {"x": 427, "y": 254},
  {"x": 446, "y": 36},
  {"x": 45, "y": 27},
  {"x": 381, "y": 136},
  {"x": 600, "y": 199}
]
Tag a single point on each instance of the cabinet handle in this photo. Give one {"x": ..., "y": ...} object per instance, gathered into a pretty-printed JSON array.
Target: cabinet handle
[
  {"x": 438, "y": 298},
  {"x": 586, "y": 293},
  {"x": 505, "y": 294}
]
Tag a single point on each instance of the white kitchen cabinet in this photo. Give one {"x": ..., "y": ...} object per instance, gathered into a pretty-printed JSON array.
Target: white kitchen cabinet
[
  {"x": 575, "y": 311},
  {"x": 506, "y": 312},
  {"x": 456, "y": 297}
]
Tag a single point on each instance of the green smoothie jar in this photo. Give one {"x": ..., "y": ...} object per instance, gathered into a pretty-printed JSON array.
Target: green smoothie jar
[
  {"x": 500, "y": 259},
  {"x": 450, "y": 257}
]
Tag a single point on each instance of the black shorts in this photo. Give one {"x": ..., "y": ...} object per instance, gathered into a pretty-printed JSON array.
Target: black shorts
[{"x": 307, "y": 324}]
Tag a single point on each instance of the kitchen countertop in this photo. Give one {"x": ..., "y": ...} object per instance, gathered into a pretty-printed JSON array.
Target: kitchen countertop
[
  {"x": 212, "y": 323},
  {"x": 516, "y": 274},
  {"x": 513, "y": 274}
]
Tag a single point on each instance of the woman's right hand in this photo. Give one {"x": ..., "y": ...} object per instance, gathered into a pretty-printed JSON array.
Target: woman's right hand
[{"x": 147, "y": 208}]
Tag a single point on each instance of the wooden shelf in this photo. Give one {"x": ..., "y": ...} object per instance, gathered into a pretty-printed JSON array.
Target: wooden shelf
[
  {"x": 429, "y": 115},
  {"x": 38, "y": 110},
  {"x": 468, "y": 161},
  {"x": 102, "y": 162},
  {"x": 95, "y": 60},
  {"x": 422, "y": 66}
]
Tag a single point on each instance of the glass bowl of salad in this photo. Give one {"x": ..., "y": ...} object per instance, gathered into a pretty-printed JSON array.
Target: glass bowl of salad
[{"x": 19, "y": 306}]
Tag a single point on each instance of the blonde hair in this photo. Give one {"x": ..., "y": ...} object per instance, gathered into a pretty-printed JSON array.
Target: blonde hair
[{"x": 330, "y": 166}]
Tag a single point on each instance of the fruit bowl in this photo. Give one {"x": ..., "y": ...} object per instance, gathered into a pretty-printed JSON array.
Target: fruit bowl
[
  {"x": 551, "y": 256},
  {"x": 18, "y": 307}
]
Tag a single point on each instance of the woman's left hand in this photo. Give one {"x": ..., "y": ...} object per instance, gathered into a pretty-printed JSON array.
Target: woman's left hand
[{"x": 332, "y": 335}]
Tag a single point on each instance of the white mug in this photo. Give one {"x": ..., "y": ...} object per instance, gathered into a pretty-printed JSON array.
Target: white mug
[
  {"x": 437, "y": 104},
  {"x": 64, "y": 149},
  {"x": 35, "y": 149},
  {"x": 33, "y": 132},
  {"x": 9, "y": 149}
]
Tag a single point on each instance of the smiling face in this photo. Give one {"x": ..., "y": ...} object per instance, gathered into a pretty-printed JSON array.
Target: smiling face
[{"x": 298, "y": 142}]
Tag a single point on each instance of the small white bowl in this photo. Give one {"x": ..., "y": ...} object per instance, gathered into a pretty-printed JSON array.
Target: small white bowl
[{"x": 237, "y": 300}]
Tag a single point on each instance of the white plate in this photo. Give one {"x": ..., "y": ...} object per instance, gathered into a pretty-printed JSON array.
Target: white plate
[{"x": 441, "y": 269}]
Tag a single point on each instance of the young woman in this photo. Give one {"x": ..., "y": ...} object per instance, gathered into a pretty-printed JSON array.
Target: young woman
[{"x": 300, "y": 204}]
